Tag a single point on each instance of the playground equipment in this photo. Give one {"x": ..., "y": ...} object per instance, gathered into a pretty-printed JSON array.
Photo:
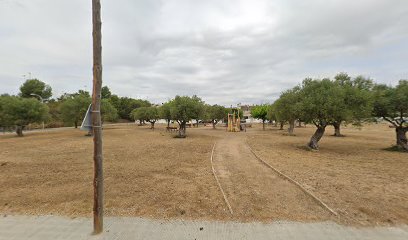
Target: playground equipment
[{"x": 234, "y": 122}]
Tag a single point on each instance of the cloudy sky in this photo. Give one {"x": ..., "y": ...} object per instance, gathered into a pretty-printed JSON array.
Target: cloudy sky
[{"x": 226, "y": 51}]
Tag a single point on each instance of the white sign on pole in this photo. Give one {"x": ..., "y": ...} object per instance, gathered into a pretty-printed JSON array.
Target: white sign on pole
[{"x": 87, "y": 122}]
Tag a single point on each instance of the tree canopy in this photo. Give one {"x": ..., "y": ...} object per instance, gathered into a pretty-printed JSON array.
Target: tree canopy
[
  {"x": 391, "y": 104},
  {"x": 182, "y": 110},
  {"x": 73, "y": 109},
  {"x": 215, "y": 113},
  {"x": 322, "y": 100},
  {"x": 260, "y": 112},
  {"x": 21, "y": 112},
  {"x": 33, "y": 87},
  {"x": 288, "y": 108}
]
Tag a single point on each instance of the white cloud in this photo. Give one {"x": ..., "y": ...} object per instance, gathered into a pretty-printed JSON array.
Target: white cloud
[{"x": 226, "y": 51}]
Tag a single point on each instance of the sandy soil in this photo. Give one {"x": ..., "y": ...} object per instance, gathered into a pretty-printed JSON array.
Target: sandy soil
[
  {"x": 365, "y": 184},
  {"x": 147, "y": 174},
  {"x": 150, "y": 174},
  {"x": 254, "y": 191}
]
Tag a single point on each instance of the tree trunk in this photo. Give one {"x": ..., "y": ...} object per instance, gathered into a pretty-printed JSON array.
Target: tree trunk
[
  {"x": 152, "y": 125},
  {"x": 314, "y": 141},
  {"x": 299, "y": 123},
  {"x": 182, "y": 130},
  {"x": 402, "y": 137},
  {"x": 76, "y": 124},
  {"x": 19, "y": 131},
  {"x": 281, "y": 126},
  {"x": 263, "y": 125},
  {"x": 291, "y": 127},
  {"x": 336, "y": 126},
  {"x": 197, "y": 123},
  {"x": 168, "y": 123},
  {"x": 214, "y": 123}
]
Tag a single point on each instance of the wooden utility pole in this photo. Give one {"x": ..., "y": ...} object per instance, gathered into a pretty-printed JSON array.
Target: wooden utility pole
[{"x": 96, "y": 116}]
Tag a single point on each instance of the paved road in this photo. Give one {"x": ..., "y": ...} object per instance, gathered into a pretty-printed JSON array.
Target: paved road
[{"x": 60, "y": 228}]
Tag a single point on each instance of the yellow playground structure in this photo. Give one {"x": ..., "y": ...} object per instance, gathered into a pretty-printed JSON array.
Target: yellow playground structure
[{"x": 234, "y": 122}]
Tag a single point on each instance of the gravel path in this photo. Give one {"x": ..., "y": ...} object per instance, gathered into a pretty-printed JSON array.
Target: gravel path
[{"x": 60, "y": 228}]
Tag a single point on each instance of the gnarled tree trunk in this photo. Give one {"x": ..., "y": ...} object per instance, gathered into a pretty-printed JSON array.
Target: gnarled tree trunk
[
  {"x": 214, "y": 123},
  {"x": 152, "y": 124},
  {"x": 19, "y": 131},
  {"x": 168, "y": 123},
  {"x": 263, "y": 125},
  {"x": 314, "y": 140},
  {"x": 182, "y": 130},
  {"x": 336, "y": 126},
  {"x": 281, "y": 125},
  {"x": 291, "y": 127},
  {"x": 402, "y": 137},
  {"x": 76, "y": 124}
]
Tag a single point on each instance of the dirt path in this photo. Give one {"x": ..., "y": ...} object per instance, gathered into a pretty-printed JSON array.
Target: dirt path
[{"x": 254, "y": 191}]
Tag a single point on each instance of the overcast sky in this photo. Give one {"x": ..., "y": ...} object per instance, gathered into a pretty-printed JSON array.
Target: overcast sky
[{"x": 226, "y": 51}]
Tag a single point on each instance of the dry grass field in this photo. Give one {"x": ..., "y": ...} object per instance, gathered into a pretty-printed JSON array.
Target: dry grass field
[
  {"x": 150, "y": 174},
  {"x": 354, "y": 175}
]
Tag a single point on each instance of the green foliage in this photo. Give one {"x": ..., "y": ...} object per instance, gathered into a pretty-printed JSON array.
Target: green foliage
[
  {"x": 164, "y": 111},
  {"x": 183, "y": 108},
  {"x": 322, "y": 101},
  {"x": 199, "y": 108},
  {"x": 149, "y": 114},
  {"x": 260, "y": 112},
  {"x": 235, "y": 110},
  {"x": 271, "y": 115},
  {"x": 108, "y": 111},
  {"x": 391, "y": 103},
  {"x": 105, "y": 92},
  {"x": 288, "y": 107},
  {"x": 73, "y": 109},
  {"x": 215, "y": 113},
  {"x": 35, "y": 86},
  {"x": 21, "y": 111},
  {"x": 126, "y": 105},
  {"x": 357, "y": 98}
]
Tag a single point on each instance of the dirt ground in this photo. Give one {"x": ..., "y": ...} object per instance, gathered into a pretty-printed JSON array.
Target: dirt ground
[
  {"x": 150, "y": 174},
  {"x": 353, "y": 174},
  {"x": 147, "y": 174}
]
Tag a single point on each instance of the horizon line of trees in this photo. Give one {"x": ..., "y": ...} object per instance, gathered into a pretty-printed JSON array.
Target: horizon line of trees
[
  {"x": 321, "y": 102},
  {"x": 339, "y": 101}
]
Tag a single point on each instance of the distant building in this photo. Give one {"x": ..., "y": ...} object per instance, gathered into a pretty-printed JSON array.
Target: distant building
[{"x": 247, "y": 113}]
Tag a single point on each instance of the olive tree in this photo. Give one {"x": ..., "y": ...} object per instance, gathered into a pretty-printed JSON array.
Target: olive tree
[
  {"x": 391, "y": 104},
  {"x": 21, "y": 112},
  {"x": 35, "y": 87},
  {"x": 199, "y": 109},
  {"x": 322, "y": 100},
  {"x": 164, "y": 113},
  {"x": 149, "y": 114},
  {"x": 288, "y": 108},
  {"x": 215, "y": 113},
  {"x": 182, "y": 110},
  {"x": 139, "y": 114},
  {"x": 260, "y": 112},
  {"x": 357, "y": 99}
]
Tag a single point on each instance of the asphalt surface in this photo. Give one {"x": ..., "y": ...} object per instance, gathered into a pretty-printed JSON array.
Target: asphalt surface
[{"x": 54, "y": 227}]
